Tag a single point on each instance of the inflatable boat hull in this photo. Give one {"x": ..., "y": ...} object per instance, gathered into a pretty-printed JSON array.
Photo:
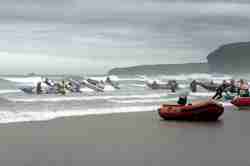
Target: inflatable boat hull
[
  {"x": 205, "y": 111},
  {"x": 241, "y": 101}
]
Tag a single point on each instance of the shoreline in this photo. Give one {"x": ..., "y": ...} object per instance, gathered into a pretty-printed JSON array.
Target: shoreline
[
  {"x": 140, "y": 139},
  {"x": 75, "y": 116}
]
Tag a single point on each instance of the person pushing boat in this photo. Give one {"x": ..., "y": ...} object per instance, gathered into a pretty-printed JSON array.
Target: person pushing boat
[
  {"x": 232, "y": 87},
  {"x": 39, "y": 88},
  {"x": 220, "y": 90}
]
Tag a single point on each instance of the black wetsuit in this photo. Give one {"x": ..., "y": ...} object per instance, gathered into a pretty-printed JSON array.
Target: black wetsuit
[
  {"x": 172, "y": 89},
  {"x": 39, "y": 88},
  {"x": 219, "y": 91},
  {"x": 48, "y": 83},
  {"x": 193, "y": 86},
  {"x": 233, "y": 89},
  {"x": 173, "y": 85}
]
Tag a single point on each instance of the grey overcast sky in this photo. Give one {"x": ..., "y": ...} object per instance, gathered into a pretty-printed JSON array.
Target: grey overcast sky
[{"x": 93, "y": 36}]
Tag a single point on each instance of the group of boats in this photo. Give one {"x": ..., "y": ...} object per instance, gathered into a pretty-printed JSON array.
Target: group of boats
[
  {"x": 48, "y": 86},
  {"x": 208, "y": 110},
  {"x": 170, "y": 85}
]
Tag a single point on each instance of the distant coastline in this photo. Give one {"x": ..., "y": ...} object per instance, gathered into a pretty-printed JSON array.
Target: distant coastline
[
  {"x": 162, "y": 69},
  {"x": 228, "y": 59}
]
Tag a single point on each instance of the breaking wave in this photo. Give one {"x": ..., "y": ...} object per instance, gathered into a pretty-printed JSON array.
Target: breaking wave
[{"x": 27, "y": 116}]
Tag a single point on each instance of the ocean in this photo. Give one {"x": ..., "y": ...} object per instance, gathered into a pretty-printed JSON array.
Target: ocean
[
  {"x": 134, "y": 96},
  {"x": 87, "y": 39}
]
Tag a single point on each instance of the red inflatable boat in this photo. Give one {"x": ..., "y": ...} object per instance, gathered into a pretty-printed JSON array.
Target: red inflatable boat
[
  {"x": 241, "y": 101},
  {"x": 207, "y": 111}
]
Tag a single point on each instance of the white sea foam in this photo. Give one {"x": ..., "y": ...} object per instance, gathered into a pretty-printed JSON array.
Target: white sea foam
[
  {"x": 103, "y": 78},
  {"x": 44, "y": 115},
  {"x": 12, "y": 117},
  {"x": 24, "y": 80},
  {"x": 225, "y": 104},
  {"x": 79, "y": 98},
  {"x": 4, "y": 91},
  {"x": 183, "y": 86},
  {"x": 139, "y": 85},
  {"x": 109, "y": 88},
  {"x": 202, "y": 94},
  {"x": 141, "y": 78},
  {"x": 195, "y": 76},
  {"x": 85, "y": 89},
  {"x": 98, "y": 78},
  {"x": 143, "y": 100}
]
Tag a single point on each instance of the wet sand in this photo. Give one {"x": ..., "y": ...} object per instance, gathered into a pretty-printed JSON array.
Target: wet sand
[{"x": 140, "y": 139}]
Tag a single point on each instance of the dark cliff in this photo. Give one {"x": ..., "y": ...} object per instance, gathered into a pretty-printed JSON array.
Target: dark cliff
[{"x": 230, "y": 58}]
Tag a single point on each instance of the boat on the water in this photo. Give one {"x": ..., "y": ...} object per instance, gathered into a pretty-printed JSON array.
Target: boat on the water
[
  {"x": 27, "y": 89},
  {"x": 171, "y": 85},
  {"x": 96, "y": 83},
  {"x": 92, "y": 86},
  {"x": 210, "y": 86},
  {"x": 44, "y": 89},
  {"x": 102, "y": 84},
  {"x": 115, "y": 85},
  {"x": 200, "y": 111},
  {"x": 241, "y": 102}
]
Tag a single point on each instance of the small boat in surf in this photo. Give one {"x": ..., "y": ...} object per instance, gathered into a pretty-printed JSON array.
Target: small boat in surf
[
  {"x": 101, "y": 84},
  {"x": 200, "y": 111},
  {"x": 27, "y": 89},
  {"x": 112, "y": 83},
  {"x": 210, "y": 86},
  {"x": 171, "y": 85},
  {"x": 241, "y": 102},
  {"x": 92, "y": 86}
]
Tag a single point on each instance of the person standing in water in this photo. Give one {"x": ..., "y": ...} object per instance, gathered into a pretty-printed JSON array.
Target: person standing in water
[
  {"x": 48, "y": 82},
  {"x": 62, "y": 88},
  {"x": 39, "y": 88},
  {"x": 220, "y": 90},
  {"x": 232, "y": 87},
  {"x": 193, "y": 86}
]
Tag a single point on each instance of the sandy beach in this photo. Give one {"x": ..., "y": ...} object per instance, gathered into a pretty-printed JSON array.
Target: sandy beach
[{"x": 126, "y": 139}]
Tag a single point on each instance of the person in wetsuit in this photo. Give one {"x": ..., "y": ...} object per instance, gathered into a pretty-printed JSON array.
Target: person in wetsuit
[
  {"x": 243, "y": 90},
  {"x": 39, "y": 88},
  {"x": 232, "y": 87},
  {"x": 50, "y": 86},
  {"x": 108, "y": 80},
  {"x": 47, "y": 82},
  {"x": 154, "y": 84},
  {"x": 75, "y": 86},
  {"x": 173, "y": 85},
  {"x": 193, "y": 86},
  {"x": 62, "y": 88},
  {"x": 220, "y": 90}
]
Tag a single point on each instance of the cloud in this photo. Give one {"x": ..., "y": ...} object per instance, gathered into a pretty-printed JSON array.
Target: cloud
[{"x": 100, "y": 36}]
